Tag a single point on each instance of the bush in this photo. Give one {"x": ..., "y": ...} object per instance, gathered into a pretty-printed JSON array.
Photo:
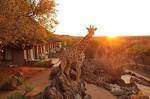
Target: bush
[
  {"x": 16, "y": 95},
  {"x": 28, "y": 88},
  {"x": 19, "y": 95},
  {"x": 13, "y": 82}
]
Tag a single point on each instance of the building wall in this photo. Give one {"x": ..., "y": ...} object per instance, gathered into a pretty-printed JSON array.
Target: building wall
[
  {"x": 18, "y": 57},
  {"x": 13, "y": 57},
  {"x": 8, "y": 55}
]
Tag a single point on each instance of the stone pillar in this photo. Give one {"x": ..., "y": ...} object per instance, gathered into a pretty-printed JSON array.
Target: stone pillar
[
  {"x": 28, "y": 54},
  {"x": 25, "y": 55},
  {"x": 34, "y": 52},
  {"x": 37, "y": 52},
  {"x": 31, "y": 54}
]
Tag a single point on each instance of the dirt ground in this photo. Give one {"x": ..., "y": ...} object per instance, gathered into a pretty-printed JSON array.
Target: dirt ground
[{"x": 7, "y": 72}]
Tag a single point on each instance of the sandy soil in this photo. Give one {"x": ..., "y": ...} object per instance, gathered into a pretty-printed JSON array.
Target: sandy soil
[
  {"x": 7, "y": 72},
  {"x": 98, "y": 92}
]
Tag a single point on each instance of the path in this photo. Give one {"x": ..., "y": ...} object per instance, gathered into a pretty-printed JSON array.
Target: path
[
  {"x": 138, "y": 74},
  {"x": 98, "y": 92}
]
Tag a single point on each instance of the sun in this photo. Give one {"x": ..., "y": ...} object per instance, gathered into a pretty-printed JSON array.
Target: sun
[{"x": 112, "y": 37}]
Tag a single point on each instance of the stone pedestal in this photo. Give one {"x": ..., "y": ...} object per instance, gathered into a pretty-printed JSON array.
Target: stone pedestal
[{"x": 63, "y": 88}]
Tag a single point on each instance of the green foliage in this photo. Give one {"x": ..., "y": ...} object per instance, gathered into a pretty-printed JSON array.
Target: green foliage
[
  {"x": 28, "y": 88},
  {"x": 16, "y": 95},
  {"x": 8, "y": 82},
  {"x": 19, "y": 80},
  {"x": 12, "y": 82}
]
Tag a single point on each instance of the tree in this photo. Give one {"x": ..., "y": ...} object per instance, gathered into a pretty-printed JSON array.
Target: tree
[
  {"x": 24, "y": 21},
  {"x": 137, "y": 52}
]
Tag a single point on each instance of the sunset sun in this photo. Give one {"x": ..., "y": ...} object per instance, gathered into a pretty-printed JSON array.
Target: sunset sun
[{"x": 112, "y": 36}]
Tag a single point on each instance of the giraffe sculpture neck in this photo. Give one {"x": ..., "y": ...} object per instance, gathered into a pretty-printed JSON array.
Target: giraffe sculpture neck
[{"x": 81, "y": 46}]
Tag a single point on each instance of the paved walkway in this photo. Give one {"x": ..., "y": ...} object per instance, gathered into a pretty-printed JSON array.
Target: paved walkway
[
  {"x": 139, "y": 74},
  {"x": 98, "y": 92}
]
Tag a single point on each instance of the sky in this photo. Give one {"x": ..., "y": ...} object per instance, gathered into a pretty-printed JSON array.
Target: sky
[{"x": 111, "y": 17}]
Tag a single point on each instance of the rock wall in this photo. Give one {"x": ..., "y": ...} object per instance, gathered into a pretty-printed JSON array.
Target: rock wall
[{"x": 63, "y": 88}]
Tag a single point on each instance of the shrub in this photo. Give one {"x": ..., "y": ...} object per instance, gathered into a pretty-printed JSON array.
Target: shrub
[
  {"x": 28, "y": 88},
  {"x": 13, "y": 82},
  {"x": 18, "y": 95}
]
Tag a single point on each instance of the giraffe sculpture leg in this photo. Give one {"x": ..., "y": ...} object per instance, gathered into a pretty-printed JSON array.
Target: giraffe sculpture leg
[
  {"x": 63, "y": 64},
  {"x": 78, "y": 67},
  {"x": 67, "y": 70}
]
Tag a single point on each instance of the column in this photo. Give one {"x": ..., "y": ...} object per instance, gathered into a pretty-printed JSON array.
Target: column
[
  {"x": 37, "y": 52},
  {"x": 31, "y": 54},
  {"x": 25, "y": 55}
]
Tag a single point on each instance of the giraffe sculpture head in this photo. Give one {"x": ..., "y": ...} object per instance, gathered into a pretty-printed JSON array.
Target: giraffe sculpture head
[{"x": 91, "y": 30}]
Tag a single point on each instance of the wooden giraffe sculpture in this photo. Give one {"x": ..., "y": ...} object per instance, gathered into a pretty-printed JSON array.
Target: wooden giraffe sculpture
[{"x": 75, "y": 54}]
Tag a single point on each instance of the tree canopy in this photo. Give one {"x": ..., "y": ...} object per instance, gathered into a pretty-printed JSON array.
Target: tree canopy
[{"x": 26, "y": 21}]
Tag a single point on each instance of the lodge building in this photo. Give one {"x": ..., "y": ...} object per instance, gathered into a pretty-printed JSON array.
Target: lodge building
[{"x": 15, "y": 56}]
